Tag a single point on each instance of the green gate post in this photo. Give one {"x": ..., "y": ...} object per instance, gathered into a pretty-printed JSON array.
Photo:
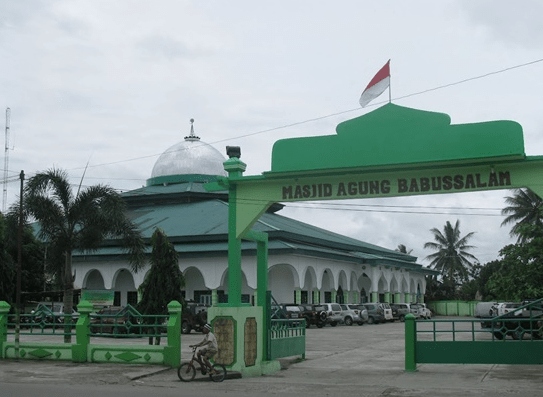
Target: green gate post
[
  {"x": 410, "y": 343},
  {"x": 267, "y": 321},
  {"x": 4, "y": 310},
  {"x": 82, "y": 337},
  {"x": 172, "y": 352}
]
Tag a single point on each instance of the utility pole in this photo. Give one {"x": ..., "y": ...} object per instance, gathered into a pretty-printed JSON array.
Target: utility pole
[
  {"x": 19, "y": 266},
  {"x": 6, "y": 161}
]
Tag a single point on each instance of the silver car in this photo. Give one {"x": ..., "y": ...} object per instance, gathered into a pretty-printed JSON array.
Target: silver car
[
  {"x": 360, "y": 314},
  {"x": 334, "y": 313}
]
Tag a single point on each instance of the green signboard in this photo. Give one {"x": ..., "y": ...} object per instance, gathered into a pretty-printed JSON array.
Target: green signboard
[{"x": 98, "y": 297}]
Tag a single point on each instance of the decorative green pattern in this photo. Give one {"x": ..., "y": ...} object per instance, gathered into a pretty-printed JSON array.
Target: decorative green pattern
[
  {"x": 128, "y": 356},
  {"x": 40, "y": 353}
]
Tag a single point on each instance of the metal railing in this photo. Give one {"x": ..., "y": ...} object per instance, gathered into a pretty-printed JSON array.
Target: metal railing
[
  {"x": 83, "y": 350},
  {"x": 286, "y": 338},
  {"x": 481, "y": 341}
]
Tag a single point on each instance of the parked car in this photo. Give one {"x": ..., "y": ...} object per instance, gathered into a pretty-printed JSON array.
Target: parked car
[
  {"x": 485, "y": 309},
  {"x": 334, "y": 313},
  {"x": 314, "y": 315},
  {"x": 375, "y": 311},
  {"x": 506, "y": 307},
  {"x": 293, "y": 311},
  {"x": 416, "y": 310},
  {"x": 361, "y": 314},
  {"x": 116, "y": 320},
  {"x": 424, "y": 311},
  {"x": 387, "y": 311},
  {"x": 348, "y": 315},
  {"x": 51, "y": 312},
  {"x": 193, "y": 317},
  {"x": 400, "y": 310}
]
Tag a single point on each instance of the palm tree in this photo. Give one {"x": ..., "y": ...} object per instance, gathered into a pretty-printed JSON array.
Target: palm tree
[
  {"x": 524, "y": 208},
  {"x": 80, "y": 221},
  {"x": 403, "y": 249},
  {"x": 451, "y": 257}
]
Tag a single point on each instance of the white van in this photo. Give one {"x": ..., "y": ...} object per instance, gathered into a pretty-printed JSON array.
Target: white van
[{"x": 388, "y": 311}]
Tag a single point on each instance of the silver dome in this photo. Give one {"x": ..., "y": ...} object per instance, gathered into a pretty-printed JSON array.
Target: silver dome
[{"x": 191, "y": 156}]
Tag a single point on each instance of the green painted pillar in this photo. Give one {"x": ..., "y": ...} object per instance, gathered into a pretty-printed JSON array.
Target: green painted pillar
[
  {"x": 298, "y": 295},
  {"x": 356, "y": 297},
  {"x": 4, "y": 310},
  {"x": 214, "y": 297},
  {"x": 262, "y": 269},
  {"x": 387, "y": 297},
  {"x": 397, "y": 297},
  {"x": 414, "y": 298},
  {"x": 334, "y": 296},
  {"x": 346, "y": 297},
  {"x": 375, "y": 297},
  {"x": 410, "y": 343},
  {"x": 407, "y": 297},
  {"x": 316, "y": 296},
  {"x": 172, "y": 352},
  {"x": 82, "y": 338},
  {"x": 235, "y": 167}
]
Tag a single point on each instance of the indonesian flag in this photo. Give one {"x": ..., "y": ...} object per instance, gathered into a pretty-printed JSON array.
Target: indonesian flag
[{"x": 376, "y": 86}]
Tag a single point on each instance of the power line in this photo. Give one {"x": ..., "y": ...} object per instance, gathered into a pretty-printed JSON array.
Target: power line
[{"x": 337, "y": 113}]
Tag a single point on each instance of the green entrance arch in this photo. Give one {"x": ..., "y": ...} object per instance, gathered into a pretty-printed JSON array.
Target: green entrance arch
[{"x": 392, "y": 151}]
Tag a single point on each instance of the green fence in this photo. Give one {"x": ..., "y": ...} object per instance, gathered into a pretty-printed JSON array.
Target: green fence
[
  {"x": 82, "y": 350},
  {"x": 286, "y": 338},
  {"x": 514, "y": 338},
  {"x": 453, "y": 308}
]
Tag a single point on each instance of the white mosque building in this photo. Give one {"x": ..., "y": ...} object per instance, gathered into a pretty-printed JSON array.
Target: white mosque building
[{"x": 306, "y": 264}]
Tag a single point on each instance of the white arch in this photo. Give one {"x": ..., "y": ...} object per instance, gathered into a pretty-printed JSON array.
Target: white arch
[
  {"x": 309, "y": 275},
  {"x": 93, "y": 279}
]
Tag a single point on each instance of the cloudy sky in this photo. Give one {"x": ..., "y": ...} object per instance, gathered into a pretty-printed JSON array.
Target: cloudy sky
[{"x": 114, "y": 83}]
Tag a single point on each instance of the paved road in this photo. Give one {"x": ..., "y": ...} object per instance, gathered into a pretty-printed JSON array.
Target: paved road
[{"x": 366, "y": 361}]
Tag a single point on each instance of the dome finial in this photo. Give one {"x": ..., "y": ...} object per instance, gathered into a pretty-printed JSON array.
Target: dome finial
[{"x": 192, "y": 137}]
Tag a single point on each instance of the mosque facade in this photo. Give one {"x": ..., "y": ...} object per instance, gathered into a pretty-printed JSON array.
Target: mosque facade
[{"x": 306, "y": 264}]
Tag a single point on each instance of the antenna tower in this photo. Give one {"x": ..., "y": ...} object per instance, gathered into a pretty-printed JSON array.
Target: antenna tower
[{"x": 6, "y": 162}]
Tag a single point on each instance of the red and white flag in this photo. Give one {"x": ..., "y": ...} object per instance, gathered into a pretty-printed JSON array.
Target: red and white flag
[{"x": 377, "y": 85}]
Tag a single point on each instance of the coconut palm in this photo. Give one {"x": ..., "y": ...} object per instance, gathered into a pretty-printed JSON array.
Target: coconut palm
[
  {"x": 403, "y": 249},
  {"x": 451, "y": 257},
  {"x": 524, "y": 208},
  {"x": 80, "y": 221}
]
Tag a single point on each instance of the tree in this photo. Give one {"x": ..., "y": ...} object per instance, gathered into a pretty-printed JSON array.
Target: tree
[
  {"x": 83, "y": 221},
  {"x": 451, "y": 257},
  {"x": 403, "y": 249},
  {"x": 524, "y": 208},
  {"x": 7, "y": 266},
  {"x": 32, "y": 250},
  {"x": 164, "y": 281},
  {"x": 520, "y": 275}
]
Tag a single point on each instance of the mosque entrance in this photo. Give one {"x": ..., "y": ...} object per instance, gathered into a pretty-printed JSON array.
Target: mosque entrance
[{"x": 392, "y": 151}]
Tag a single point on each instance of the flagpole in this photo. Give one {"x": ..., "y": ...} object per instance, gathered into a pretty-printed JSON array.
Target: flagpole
[{"x": 389, "y": 84}]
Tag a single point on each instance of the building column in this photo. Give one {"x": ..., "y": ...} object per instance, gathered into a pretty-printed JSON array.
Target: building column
[
  {"x": 215, "y": 297},
  {"x": 356, "y": 297},
  {"x": 387, "y": 297},
  {"x": 374, "y": 296},
  {"x": 297, "y": 296},
  {"x": 346, "y": 297},
  {"x": 407, "y": 297},
  {"x": 316, "y": 296},
  {"x": 397, "y": 297},
  {"x": 334, "y": 296}
]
